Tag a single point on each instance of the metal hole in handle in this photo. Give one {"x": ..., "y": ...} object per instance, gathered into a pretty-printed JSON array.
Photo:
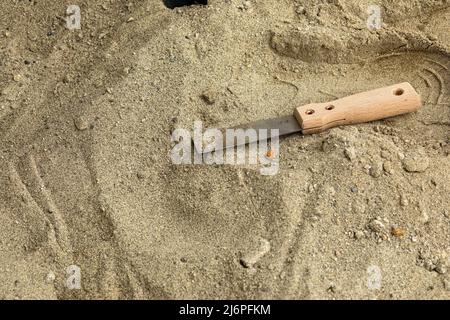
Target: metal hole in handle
[
  {"x": 309, "y": 111},
  {"x": 399, "y": 91},
  {"x": 330, "y": 107}
]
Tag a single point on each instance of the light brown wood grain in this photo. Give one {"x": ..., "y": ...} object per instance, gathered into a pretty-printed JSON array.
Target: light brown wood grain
[{"x": 362, "y": 107}]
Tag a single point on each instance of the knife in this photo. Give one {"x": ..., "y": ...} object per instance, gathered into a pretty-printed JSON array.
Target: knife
[{"x": 312, "y": 118}]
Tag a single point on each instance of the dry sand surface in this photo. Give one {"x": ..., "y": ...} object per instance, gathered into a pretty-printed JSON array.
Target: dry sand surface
[{"x": 86, "y": 178}]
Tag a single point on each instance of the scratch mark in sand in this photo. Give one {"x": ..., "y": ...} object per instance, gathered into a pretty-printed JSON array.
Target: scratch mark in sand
[
  {"x": 438, "y": 76},
  {"x": 55, "y": 217},
  {"x": 439, "y": 80},
  {"x": 428, "y": 85}
]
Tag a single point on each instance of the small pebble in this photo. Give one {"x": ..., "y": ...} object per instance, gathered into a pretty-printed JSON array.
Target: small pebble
[
  {"x": 252, "y": 257},
  {"x": 17, "y": 78},
  {"x": 425, "y": 216},
  {"x": 416, "y": 162},
  {"x": 377, "y": 226},
  {"x": 387, "y": 167},
  {"x": 247, "y": 5},
  {"x": 350, "y": 153},
  {"x": 447, "y": 284},
  {"x": 441, "y": 268},
  {"x": 300, "y": 10},
  {"x": 429, "y": 265},
  {"x": 81, "y": 124},
  {"x": 376, "y": 170},
  {"x": 385, "y": 154},
  {"x": 358, "y": 234},
  {"x": 50, "y": 277},
  {"x": 403, "y": 200},
  {"x": 398, "y": 232}
]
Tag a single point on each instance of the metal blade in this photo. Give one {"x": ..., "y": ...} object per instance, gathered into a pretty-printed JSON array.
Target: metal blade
[{"x": 285, "y": 125}]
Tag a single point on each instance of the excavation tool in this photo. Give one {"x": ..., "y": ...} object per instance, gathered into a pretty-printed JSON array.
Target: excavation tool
[{"x": 317, "y": 117}]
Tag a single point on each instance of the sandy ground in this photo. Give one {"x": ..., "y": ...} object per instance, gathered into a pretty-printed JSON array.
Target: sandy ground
[{"x": 86, "y": 179}]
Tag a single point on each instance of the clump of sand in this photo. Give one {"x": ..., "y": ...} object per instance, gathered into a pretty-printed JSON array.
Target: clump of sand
[{"x": 87, "y": 181}]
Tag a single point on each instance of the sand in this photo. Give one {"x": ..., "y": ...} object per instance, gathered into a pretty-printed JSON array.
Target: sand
[{"x": 86, "y": 180}]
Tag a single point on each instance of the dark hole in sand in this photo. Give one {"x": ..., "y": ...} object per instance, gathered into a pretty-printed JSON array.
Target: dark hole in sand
[{"x": 181, "y": 3}]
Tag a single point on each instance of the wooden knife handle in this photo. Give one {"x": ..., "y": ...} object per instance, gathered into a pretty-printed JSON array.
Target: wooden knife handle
[{"x": 362, "y": 107}]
